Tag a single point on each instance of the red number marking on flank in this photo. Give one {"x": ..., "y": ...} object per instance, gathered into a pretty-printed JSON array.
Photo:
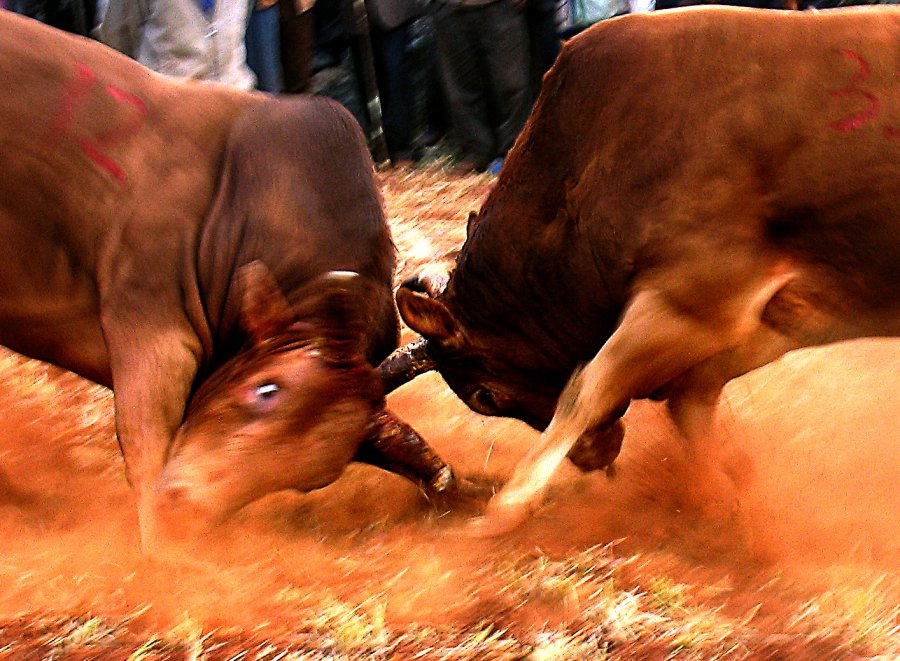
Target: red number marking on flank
[
  {"x": 859, "y": 119},
  {"x": 101, "y": 159},
  {"x": 75, "y": 97},
  {"x": 116, "y": 133}
]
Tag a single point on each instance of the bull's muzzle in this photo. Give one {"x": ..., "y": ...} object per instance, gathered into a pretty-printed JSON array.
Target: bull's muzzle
[{"x": 405, "y": 364}]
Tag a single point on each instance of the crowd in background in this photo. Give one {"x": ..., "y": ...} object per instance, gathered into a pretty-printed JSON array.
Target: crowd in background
[{"x": 421, "y": 70}]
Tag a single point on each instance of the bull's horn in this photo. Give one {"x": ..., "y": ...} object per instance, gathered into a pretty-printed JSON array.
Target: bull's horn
[
  {"x": 398, "y": 448},
  {"x": 405, "y": 364}
]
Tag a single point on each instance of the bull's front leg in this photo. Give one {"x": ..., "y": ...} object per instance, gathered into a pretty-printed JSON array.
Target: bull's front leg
[
  {"x": 153, "y": 364},
  {"x": 396, "y": 447},
  {"x": 657, "y": 340}
]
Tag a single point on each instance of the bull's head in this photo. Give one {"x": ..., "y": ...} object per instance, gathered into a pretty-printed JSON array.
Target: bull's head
[
  {"x": 495, "y": 376},
  {"x": 291, "y": 410}
]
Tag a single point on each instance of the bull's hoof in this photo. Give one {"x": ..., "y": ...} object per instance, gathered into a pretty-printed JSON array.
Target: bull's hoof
[
  {"x": 443, "y": 482},
  {"x": 597, "y": 448}
]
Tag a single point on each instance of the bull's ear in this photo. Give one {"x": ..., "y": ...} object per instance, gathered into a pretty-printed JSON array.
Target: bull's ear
[
  {"x": 338, "y": 318},
  {"x": 265, "y": 311},
  {"x": 427, "y": 316}
]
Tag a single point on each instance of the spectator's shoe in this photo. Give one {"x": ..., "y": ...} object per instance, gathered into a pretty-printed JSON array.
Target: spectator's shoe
[
  {"x": 468, "y": 166},
  {"x": 404, "y": 158}
]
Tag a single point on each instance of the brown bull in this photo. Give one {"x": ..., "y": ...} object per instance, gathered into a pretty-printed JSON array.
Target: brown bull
[
  {"x": 219, "y": 258},
  {"x": 696, "y": 193}
]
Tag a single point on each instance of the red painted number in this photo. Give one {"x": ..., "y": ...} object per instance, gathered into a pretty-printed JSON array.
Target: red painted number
[
  {"x": 96, "y": 145},
  {"x": 873, "y": 105},
  {"x": 855, "y": 91}
]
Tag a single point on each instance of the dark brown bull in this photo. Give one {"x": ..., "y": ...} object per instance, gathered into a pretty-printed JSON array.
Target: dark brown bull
[
  {"x": 205, "y": 250},
  {"x": 696, "y": 193}
]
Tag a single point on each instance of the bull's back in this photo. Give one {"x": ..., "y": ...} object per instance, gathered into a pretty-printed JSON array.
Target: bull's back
[
  {"x": 789, "y": 121},
  {"x": 794, "y": 116},
  {"x": 685, "y": 135},
  {"x": 97, "y": 151}
]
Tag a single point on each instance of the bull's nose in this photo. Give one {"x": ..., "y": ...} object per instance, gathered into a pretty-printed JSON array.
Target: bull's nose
[
  {"x": 179, "y": 502},
  {"x": 173, "y": 495},
  {"x": 171, "y": 520}
]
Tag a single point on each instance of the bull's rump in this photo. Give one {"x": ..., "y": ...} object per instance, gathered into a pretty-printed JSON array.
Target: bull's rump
[
  {"x": 798, "y": 93},
  {"x": 762, "y": 70}
]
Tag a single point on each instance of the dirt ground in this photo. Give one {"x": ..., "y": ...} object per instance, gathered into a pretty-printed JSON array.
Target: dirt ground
[{"x": 775, "y": 538}]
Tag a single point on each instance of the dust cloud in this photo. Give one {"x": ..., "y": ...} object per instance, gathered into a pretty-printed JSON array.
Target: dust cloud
[{"x": 799, "y": 481}]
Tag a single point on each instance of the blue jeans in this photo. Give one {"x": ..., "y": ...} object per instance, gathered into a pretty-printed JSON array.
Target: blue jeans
[
  {"x": 264, "y": 49},
  {"x": 389, "y": 49}
]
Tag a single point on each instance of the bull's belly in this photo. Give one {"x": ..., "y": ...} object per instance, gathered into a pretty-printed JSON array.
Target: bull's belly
[
  {"x": 54, "y": 321},
  {"x": 73, "y": 343},
  {"x": 49, "y": 307}
]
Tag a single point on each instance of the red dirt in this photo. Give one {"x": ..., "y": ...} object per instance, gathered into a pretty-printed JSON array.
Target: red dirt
[{"x": 796, "y": 496}]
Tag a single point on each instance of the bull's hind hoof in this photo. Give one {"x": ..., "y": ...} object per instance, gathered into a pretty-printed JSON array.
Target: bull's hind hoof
[{"x": 461, "y": 496}]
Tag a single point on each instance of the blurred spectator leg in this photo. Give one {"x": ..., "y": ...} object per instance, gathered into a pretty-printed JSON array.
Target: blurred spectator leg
[
  {"x": 36, "y": 9},
  {"x": 330, "y": 34},
  {"x": 263, "y": 50},
  {"x": 437, "y": 114},
  {"x": 297, "y": 40},
  {"x": 389, "y": 48},
  {"x": 458, "y": 38},
  {"x": 75, "y": 16},
  {"x": 504, "y": 37},
  {"x": 540, "y": 15}
]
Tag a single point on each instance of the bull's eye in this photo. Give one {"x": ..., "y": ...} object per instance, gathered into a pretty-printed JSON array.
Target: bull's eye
[
  {"x": 483, "y": 401},
  {"x": 265, "y": 393}
]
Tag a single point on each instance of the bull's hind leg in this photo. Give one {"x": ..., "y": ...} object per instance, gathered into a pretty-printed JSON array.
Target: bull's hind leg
[
  {"x": 798, "y": 315},
  {"x": 693, "y": 397},
  {"x": 656, "y": 341}
]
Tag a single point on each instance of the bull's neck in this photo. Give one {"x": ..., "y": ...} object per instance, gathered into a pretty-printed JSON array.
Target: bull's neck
[
  {"x": 214, "y": 251},
  {"x": 218, "y": 256},
  {"x": 233, "y": 237},
  {"x": 530, "y": 272}
]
